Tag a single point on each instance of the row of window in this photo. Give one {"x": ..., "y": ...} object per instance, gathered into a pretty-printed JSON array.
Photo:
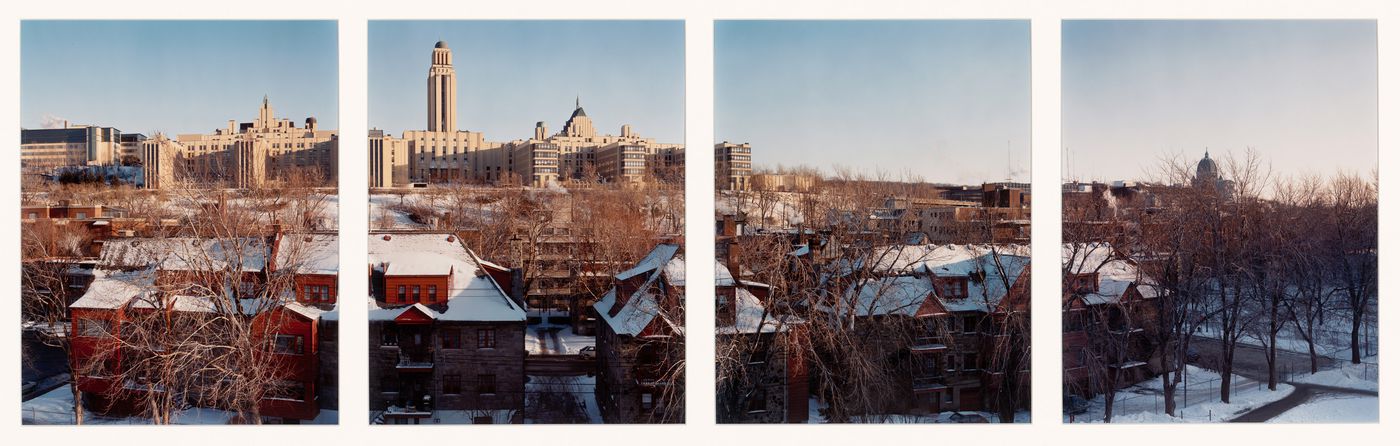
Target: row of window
[
  {"x": 451, "y": 384},
  {"x": 417, "y": 293},
  {"x": 451, "y": 338},
  {"x": 317, "y": 294},
  {"x": 286, "y": 344}
]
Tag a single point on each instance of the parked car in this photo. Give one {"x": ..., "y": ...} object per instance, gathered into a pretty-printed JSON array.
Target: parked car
[
  {"x": 968, "y": 417},
  {"x": 588, "y": 352}
]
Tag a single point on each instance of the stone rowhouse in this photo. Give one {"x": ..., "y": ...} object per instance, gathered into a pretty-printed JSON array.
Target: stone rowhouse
[{"x": 447, "y": 333}]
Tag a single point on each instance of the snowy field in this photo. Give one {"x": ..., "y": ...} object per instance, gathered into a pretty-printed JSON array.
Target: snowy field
[
  {"x": 815, "y": 407},
  {"x": 1198, "y": 400},
  {"x": 56, "y": 407},
  {"x": 782, "y": 209},
  {"x": 380, "y": 211},
  {"x": 1333, "y": 409}
]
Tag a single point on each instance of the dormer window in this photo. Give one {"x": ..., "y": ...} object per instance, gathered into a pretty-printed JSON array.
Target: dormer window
[
  {"x": 1082, "y": 283},
  {"x": 951, "y": 287}
]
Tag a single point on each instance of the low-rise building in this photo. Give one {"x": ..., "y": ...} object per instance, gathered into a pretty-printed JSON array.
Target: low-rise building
[
  {"x": 1108, "y": 306},
  {"x": 640, "y": 343},
  {"x": 447, "y": 333},
  {"x": 148, "y": 295}
]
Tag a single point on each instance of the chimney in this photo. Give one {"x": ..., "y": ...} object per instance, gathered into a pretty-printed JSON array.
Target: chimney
[{"x": 726, "y": 306}]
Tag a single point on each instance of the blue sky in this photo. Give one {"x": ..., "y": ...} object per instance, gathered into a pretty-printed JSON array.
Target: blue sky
[
  {"x": 176, "y": 76},
  {"x": 944, "y": 100},
  {"x": 511, "y": 74},
  {"x": 1302, "y": 93}
]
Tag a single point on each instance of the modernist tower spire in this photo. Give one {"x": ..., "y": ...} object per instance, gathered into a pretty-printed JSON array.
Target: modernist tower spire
[{"x": 442, "y": 91}]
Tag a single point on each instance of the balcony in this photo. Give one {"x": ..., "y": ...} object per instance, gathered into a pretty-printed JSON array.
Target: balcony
[
  {"x": 415, "y": 361},
  {"x": 928, "y": 345},
  {"x": 928, "y": 384}
]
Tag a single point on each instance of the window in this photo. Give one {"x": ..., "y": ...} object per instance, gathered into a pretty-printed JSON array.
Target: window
[
  {"x": 388, "y": 385},
  {"x": 245, "y": 288},
  {"x": 403, "y": 294},
  {"x": 950, "y": 362},
  {"x": 648, "y": 401},
  {"x": 389, "y": 336},
  {"x": 486, "y": 338},
  {"x": 317, "y": 293},
  {"x": 94, "y": 328},
  {"x": 483, "y": 420},
  {"x": 432, "y": 293},
  {"x": 969, "y": 361},
  {"x": 758, "y": 401},
  {"x": 82, "y": 215},
  {"x": 486, "y": 384},
  {"x": 451, "y": 338},
  {"x": 1083, "y": 283},
  {"x": 287, "y": 344},
  {"x": 969, "y": 324},
  {"x": 451, "y": 384},
  {"x": 288, "y": 390},
  {"x": 953, "y": 288},
  {"x": 416, "y": 293}
]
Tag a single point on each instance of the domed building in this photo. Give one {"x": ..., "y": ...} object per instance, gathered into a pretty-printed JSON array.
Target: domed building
[
  {"x": 444, "y": 153},
  {"x": 1208, "y": 175}
]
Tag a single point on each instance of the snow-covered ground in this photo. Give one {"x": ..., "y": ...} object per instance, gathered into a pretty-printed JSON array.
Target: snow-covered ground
[
  {"x": 783, "y": 210},
  {"x": 815, "y": 407},
  {"x": 56, "y": 407},
  {"x": 381, "y": 206},
  {"x": 1198, "y": 400},
  {"x": 1334, "y": 409},
  {"x": 580, "y": 387},
  {"x": 1364, "y": 376},
  {"x": 538, "y": 339}
]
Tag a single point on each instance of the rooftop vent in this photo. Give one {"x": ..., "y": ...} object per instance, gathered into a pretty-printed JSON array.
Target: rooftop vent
[
  {"x": 387, "y": 237},
  {"x": 451, "y": 239}
]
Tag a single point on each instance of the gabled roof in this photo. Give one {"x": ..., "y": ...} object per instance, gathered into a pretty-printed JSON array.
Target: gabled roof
[
  {"x": 905, "y": 278},
  {"x": 247, "y": 254},
  {"x": 309, "y": 253},
  {"x": 113, "y": 289},
  {"x": 1116, "y": 274},
  {"x": 750, "y": 316},
  {"x": 642, "y": 308},
  {"x": 472, "y": 296}
]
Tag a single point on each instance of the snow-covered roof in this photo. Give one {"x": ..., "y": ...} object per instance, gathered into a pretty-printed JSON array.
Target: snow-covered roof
[
  {"x": 1116, "y": 274},
  {"x": 642, "y": 307},
  {"x": 248, "y": 254},
  {"x": 112, "y": 289},
  {"x": 749, "y": 314},
  {"x": 658, "y": 256},
  {"x": 309, "y": 253},
  {"x": 906, "y": 278},
  {"x": 472, "y": 296},
  {"x": 378, "y": 313},
  {"x": 310, "y": 311},
  {"x": 888, "y": 295}
]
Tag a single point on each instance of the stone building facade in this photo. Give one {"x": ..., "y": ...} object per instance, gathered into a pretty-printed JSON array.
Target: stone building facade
[{"x": 442, "y": 153}]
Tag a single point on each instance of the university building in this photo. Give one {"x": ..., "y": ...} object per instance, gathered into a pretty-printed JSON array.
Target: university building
[
  {"x": 42, "y": 150},
  {"x": 239, "y": 155},
  {"x": 442, "y": 153},
  {"x": 243, "y": 154}
]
